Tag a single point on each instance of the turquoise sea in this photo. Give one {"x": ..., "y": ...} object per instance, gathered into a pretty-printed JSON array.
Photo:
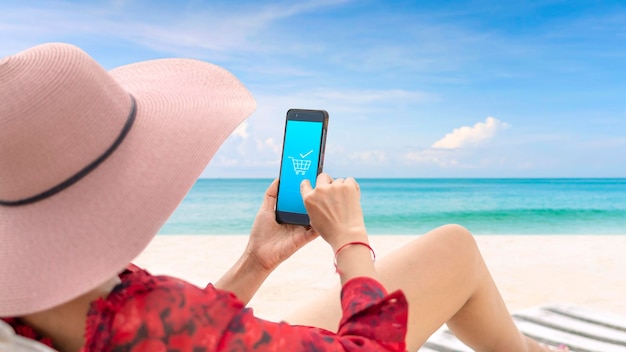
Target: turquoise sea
[{"x": 414, "y": 206}]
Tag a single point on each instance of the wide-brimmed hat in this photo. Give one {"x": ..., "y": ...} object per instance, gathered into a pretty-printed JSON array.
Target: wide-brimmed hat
[{"x": 92, "y": 163}]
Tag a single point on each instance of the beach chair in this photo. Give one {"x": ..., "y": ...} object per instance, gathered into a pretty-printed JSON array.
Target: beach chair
[
  {"x": 582, "y": 329},
  {"x": 11, "y": 342}
]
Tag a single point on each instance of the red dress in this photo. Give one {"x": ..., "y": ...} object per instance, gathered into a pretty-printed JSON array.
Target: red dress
[{"x": 160, "y": 313}]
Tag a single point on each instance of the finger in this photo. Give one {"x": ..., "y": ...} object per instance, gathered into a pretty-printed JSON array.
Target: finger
[
  {"x": 304, "y": 237},
  {"x": 305, "y": 187},
  {"x": 324, "y": 178},
  {"x": 311, "y": 234},
  {"x": 338, "y": 180},
  {"x": 351, "y": 180}
]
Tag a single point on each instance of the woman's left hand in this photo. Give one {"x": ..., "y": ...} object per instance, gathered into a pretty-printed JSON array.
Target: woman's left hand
[{"x": 271, "y": 243}]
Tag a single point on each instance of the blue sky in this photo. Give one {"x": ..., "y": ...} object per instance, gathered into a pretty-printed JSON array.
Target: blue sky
[{"x": 413, "y": 88}]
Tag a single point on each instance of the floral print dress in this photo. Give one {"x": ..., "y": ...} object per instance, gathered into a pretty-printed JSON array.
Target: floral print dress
[{"x": 147, "y": 313}]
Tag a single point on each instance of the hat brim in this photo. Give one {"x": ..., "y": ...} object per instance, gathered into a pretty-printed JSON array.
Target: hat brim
[{"x": 185, "y": 111}]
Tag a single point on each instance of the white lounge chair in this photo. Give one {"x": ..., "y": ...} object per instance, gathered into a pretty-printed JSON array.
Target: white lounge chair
[{"x": 582, "y": 329}]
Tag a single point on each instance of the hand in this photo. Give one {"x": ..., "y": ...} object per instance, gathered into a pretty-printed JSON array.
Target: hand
[
  {"x": 334, "y": 208},
  {"x": 271, "y": 243}
]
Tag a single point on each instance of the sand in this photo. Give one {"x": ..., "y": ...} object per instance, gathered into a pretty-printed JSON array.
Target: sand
[{"x": 529, "y": 270}]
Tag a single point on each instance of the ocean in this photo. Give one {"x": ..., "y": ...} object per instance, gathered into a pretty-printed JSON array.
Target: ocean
[{"x": 414, "y": 206}]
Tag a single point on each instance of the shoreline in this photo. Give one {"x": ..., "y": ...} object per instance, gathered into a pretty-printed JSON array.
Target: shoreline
[{"x": 529, "y": 270}]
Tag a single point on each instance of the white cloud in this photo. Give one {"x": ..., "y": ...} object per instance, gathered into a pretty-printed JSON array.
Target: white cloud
[
  {"x": 273, "y": 145},
  {"x": 242, "y": 130},
  {"x": 449, "y": 150},
  {"x": 269, "y": 143},
  {"x": 467, "y": 136}
]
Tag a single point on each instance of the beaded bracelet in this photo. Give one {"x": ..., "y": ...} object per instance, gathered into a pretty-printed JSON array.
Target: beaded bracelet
[{"x": 350, "y": 244}]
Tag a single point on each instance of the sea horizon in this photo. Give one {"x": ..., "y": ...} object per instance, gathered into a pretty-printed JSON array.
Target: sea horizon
[{"x": 515, "y": 206}]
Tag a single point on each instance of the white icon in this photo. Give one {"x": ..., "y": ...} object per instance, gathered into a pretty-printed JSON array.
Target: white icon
[{"x": 300, "y": 166}]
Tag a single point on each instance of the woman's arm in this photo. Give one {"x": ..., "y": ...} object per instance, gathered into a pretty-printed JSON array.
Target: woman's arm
[
  {"x": 244, "y": 278},
  {"x": 334, "y": 207},
  {"x": 269, "y": 245}
]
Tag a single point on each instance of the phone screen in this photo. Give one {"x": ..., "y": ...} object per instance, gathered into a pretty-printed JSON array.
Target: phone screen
[{"x": 302, "y": 157}]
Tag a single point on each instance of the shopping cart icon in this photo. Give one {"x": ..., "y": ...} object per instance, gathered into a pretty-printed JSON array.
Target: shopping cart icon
[{"x": 300, "y": 166}]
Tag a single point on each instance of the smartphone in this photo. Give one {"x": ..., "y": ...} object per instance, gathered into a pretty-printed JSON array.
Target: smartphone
[{"x": 302, "y": 158}]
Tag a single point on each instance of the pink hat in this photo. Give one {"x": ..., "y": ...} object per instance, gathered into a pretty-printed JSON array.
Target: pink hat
[{"x": 92, "y": 163}]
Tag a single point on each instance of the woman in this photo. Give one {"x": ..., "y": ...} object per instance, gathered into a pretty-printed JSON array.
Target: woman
[{"x": 94, "y": 162}]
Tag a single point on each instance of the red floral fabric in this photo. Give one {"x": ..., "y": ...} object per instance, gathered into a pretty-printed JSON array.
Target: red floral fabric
[{"x": 161, "y": 313}]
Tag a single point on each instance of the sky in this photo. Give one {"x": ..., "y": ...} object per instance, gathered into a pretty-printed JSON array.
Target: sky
[{"x": 413, "y": 88}]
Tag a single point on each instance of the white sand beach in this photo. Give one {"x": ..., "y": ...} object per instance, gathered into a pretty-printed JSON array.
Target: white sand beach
[{"x": 529, "y": 270}]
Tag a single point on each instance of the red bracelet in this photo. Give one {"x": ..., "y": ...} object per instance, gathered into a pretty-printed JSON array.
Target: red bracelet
[{"x": 350, "y": 244}]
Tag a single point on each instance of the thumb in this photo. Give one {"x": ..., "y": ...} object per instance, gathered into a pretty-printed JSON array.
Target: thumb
[{"x": 271, "y": 193}]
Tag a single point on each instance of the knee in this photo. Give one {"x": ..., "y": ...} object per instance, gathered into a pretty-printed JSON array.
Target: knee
[
  {"x": 456, "y": 232},
  {"x": 457, "y": 239}
]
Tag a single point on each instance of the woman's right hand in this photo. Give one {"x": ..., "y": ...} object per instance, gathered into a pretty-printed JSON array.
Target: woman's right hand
[{"x": 334, "y": 208}]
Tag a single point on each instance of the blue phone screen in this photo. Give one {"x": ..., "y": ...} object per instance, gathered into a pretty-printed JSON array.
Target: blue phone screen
[{"x": 301, "y": 153}]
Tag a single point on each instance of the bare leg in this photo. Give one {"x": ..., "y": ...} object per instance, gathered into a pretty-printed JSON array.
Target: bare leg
[{"x": 445, "y": 280}]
